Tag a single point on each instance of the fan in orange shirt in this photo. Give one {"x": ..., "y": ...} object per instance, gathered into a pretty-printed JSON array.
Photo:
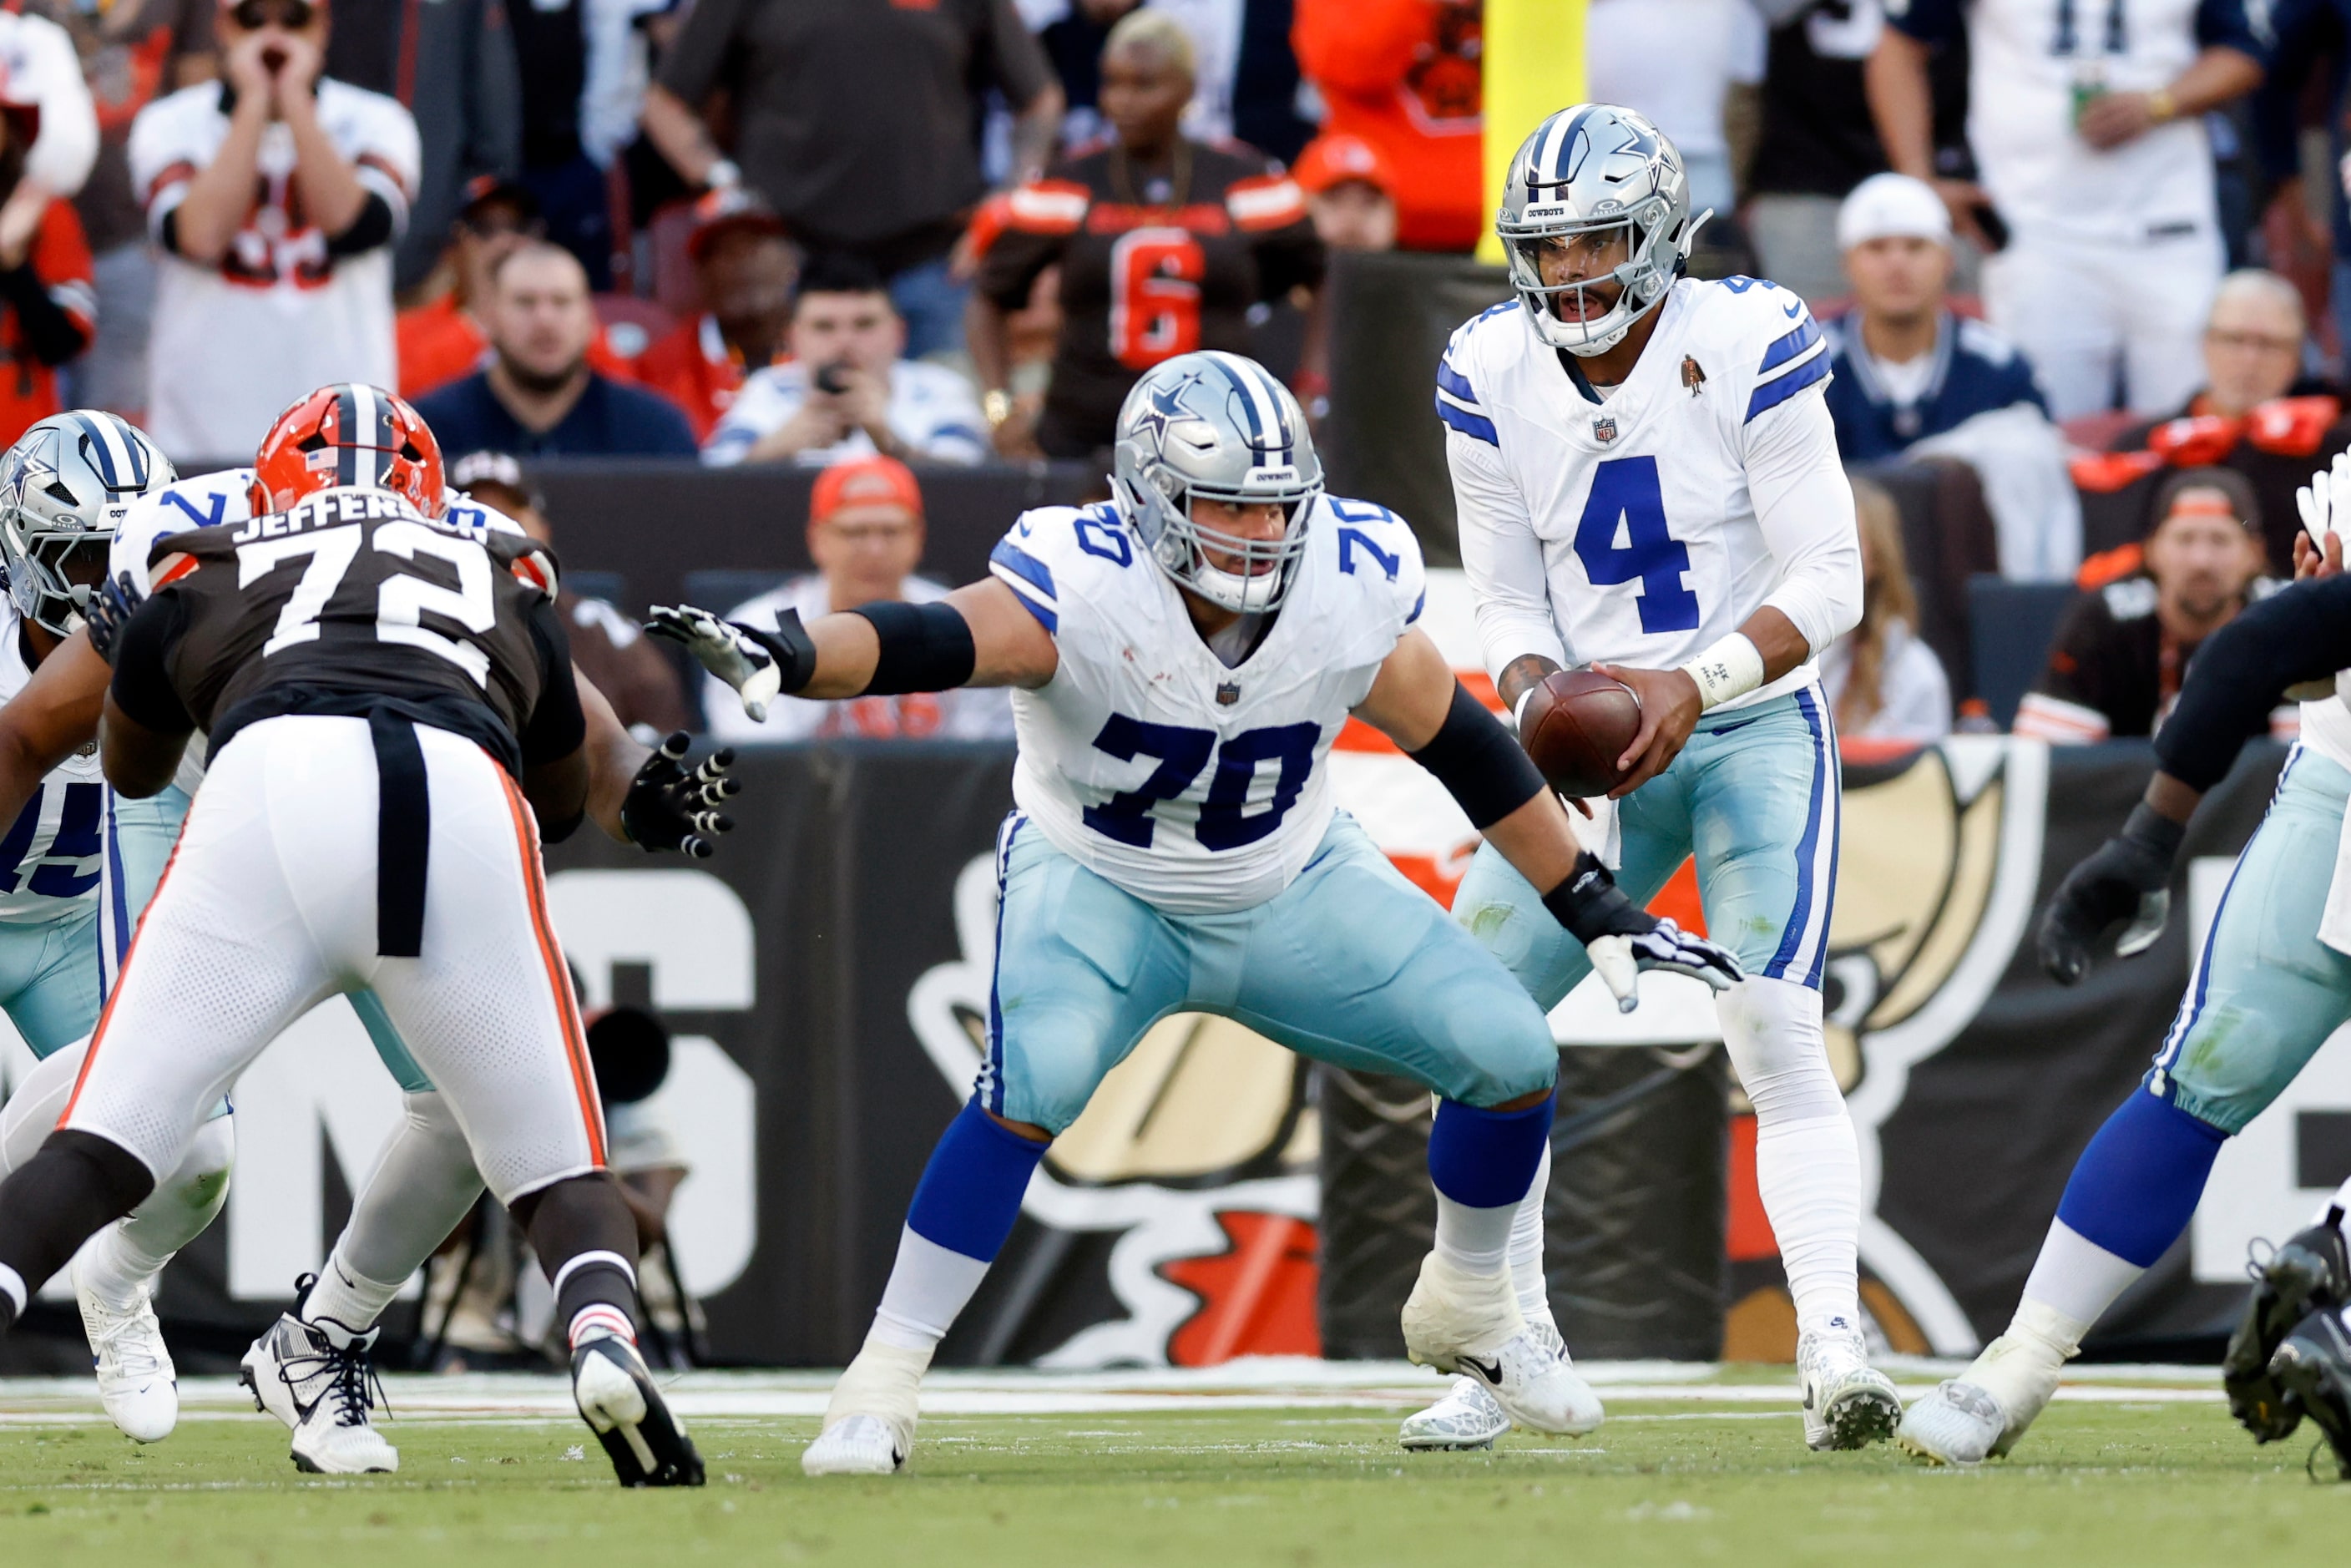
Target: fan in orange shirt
[
  {"x": 48, "y": 305},
  {"x": 747, "y": 269},
  {"x": 1404, "y": 76},
  {"x": 439, "y": 341}
]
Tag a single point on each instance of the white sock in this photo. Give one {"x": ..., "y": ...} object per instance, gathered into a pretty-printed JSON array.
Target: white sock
[
  {"x": 1527, "y": 1278},
  {"x": 1807, "y": 1163},
  {"x": 2076, "y": 1278},
  {"x": 120, "y": 1262},
  {"x": 1474, "y": 1240},
  {"x": 424, "y": 1185},
  {"x": 929, "y": 1286},
  {"x": 349, "y": 1297}
]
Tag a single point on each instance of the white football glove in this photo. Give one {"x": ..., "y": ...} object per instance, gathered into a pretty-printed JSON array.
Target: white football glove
[
  {"x": 1619, "y": 960},
  {"x": 2326, "y": 502},
  {"x": 760, "y": 666}
]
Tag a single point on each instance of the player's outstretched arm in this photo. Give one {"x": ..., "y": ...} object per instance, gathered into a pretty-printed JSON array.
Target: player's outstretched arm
[
  {"x": 144, "y": 728},
  {"x": 54, "y": 717},
  {"x": 979, "y": 635},
  {"x": 2242, "y": 671},
  {"x": 1418, "y": 704}
]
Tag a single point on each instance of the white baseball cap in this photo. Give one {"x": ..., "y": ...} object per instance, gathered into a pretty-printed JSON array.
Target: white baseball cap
[{"x": 1885, "y": 206}]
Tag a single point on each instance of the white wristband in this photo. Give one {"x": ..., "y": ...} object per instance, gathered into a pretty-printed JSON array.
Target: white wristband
[
  {"x": 722, "y": 175},
  {"x": 1731, "y": 668}
]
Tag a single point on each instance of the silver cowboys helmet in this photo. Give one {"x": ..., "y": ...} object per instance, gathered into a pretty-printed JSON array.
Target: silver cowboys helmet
[
  {"x": 1596, "y": 171},
  {"x": 1216, "y": 425},
  {"x": 64, "y": 487}
]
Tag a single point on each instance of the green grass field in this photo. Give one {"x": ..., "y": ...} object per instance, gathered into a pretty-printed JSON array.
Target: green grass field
[{"x": 1685, "y": 1479}]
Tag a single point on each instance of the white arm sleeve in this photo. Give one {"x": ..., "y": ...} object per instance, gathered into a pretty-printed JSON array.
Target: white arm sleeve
[
  {"x": 1805, "y": 509},
  {"x": 66, "y": 147},
  {"x": 1502, "y": 557}
]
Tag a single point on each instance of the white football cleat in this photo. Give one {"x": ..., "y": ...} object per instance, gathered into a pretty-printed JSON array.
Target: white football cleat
[
  {"x": 1458, "y": 1321},
  {"x": 1468, "y": 1417},
  {"x": 1848, "y": 1404},
  {"x": 869, "y": 1425},
  {"x": 1981, "y": 1413},
  {"x": 136, "y": 1380},
  {"x": 320, "y": 1379}
]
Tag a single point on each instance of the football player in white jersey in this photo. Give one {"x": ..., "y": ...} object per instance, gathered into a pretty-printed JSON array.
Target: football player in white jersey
[
  {"x": 2271, "y": 985},
  {"x": 1647, "y": 482},
  {"x": 310, "y": 1369},
  {"x": 64, "y": 487},
  {"x": 1182, "y": 660}
]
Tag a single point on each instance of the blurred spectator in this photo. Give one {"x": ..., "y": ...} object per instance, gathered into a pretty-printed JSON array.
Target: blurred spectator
[
  {"x": 2310, "y": 33},
  {"x": 441, "y": 338},
  {"x": 552, "y": 52},
  {"x": 847, "y": 389},
  {"x": 455, "y": 74},
  {"x": 2123, "y": 649},
  {"x": 856, "y": 122},
  {"x": 1914, "y": 380},
  {"x": 276, "y": 198},
  {"x": 2098, "y": 169},
  {"x": 747, "y": 270},
  {"x": 539, "y": 395},
  {"x": 611, "y": 649},
  {"x": 1816, "y": 141},
  {"x": 865, "y": 534},
  {"x": 1349, "y": 193},
  {"x": 40, "y": 67},
  {"x": 1676, "y": 62},
  {"x": 1880, "y": 680},
  {"x": 1248, "y": 86},
  {"x": 46, "y": 292},
  {"x": 1404, "y": 76},
  {"x": 130, "y": 52},
  {"x": 1226, "y": 230},
  {"x": 2253, "y": 342}
]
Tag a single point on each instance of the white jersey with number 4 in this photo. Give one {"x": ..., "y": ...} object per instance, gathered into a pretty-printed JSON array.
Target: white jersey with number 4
[
  {"x": 1638, "y": 525},
  {"x": 1196, "y": 787}
]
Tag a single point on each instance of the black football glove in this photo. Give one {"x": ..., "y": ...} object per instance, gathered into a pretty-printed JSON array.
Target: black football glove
[
  {"x": 105, "y": 608},
  {"x": 2127, "y": 878},
  {"x": 1624, "y": 939},
  {"x": 759, "y": 664},
  {"x": 669, "y": 808}
]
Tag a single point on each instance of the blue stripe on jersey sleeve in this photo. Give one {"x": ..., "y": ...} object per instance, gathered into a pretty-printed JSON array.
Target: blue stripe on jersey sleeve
[
  {"x": 1030, "y": 579},
  {"x": 1806, "y": 334},
  {"x": 1468, "y": 423},
  {"x": 1454, "y": 382},
  {"x": 1771, "y": 394},
  {"x": 1417, "y": 606}
]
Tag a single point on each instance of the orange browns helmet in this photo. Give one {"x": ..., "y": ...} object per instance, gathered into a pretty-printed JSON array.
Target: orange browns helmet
[{"x": 349, "y": 433}]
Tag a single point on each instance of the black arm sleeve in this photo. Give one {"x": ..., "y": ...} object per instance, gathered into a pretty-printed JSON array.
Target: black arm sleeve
[
  {"x": 52, "y": 336},
  {"x": 371, "y": 228},
  {"x": 557, "y": 726},
  {"x": 2299, "y": 633},
  {"x": 1485, "y": 770},
  {"x": 924, "y": 648},
  {"x": 142, "y": 672}
]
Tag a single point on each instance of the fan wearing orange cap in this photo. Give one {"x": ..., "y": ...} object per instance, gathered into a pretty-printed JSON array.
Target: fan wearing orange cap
[
  {"x": 2124, "y": 648},
  {"x": 1349, "y": 191},
  {"x": 865, "y": 535}
]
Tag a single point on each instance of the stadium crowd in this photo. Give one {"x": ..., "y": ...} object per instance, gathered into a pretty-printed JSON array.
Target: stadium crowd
[{"x": 2089, "y": 297}]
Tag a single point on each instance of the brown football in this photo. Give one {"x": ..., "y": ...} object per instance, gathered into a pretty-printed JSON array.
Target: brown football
[{"x": 1576, "y": 724}]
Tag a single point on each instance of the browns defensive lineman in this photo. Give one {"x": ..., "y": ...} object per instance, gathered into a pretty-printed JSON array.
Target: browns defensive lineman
[
  {"x": 1163, "y": 243},
  {"x": 390, "y": 711}
]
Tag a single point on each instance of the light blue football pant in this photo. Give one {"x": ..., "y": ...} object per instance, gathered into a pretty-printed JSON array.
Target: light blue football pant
[
  {"x": 2265, "y": 992},
  {"x": 1754, "y": 797},
  {"x": 1351, "y": 964}
]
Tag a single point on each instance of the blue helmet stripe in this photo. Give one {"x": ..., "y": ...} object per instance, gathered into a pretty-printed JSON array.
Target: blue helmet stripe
[{"x": 99, "y": 451}]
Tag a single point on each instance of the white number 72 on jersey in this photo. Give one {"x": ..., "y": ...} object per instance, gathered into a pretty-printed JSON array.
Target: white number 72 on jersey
[{"x": 400, "y": 602}]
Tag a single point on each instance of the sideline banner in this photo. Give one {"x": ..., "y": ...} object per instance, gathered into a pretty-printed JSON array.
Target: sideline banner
[{"x": 827, "y": 976}]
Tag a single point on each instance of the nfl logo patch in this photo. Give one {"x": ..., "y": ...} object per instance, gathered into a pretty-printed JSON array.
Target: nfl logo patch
[
  {"x": 1605, "y": 430},
  {"x": 1228, "y": 693}
]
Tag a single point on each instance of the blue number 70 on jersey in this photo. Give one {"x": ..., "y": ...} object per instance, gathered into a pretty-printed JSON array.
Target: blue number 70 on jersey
[{"x": 1625, "y": 490}]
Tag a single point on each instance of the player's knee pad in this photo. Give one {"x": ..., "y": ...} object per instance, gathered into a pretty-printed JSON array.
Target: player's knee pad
[
  {"x": 210, "y": 1156},
  {"x": 1772, "y": 1030},
  {"x": 32, "y": 1111}
]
